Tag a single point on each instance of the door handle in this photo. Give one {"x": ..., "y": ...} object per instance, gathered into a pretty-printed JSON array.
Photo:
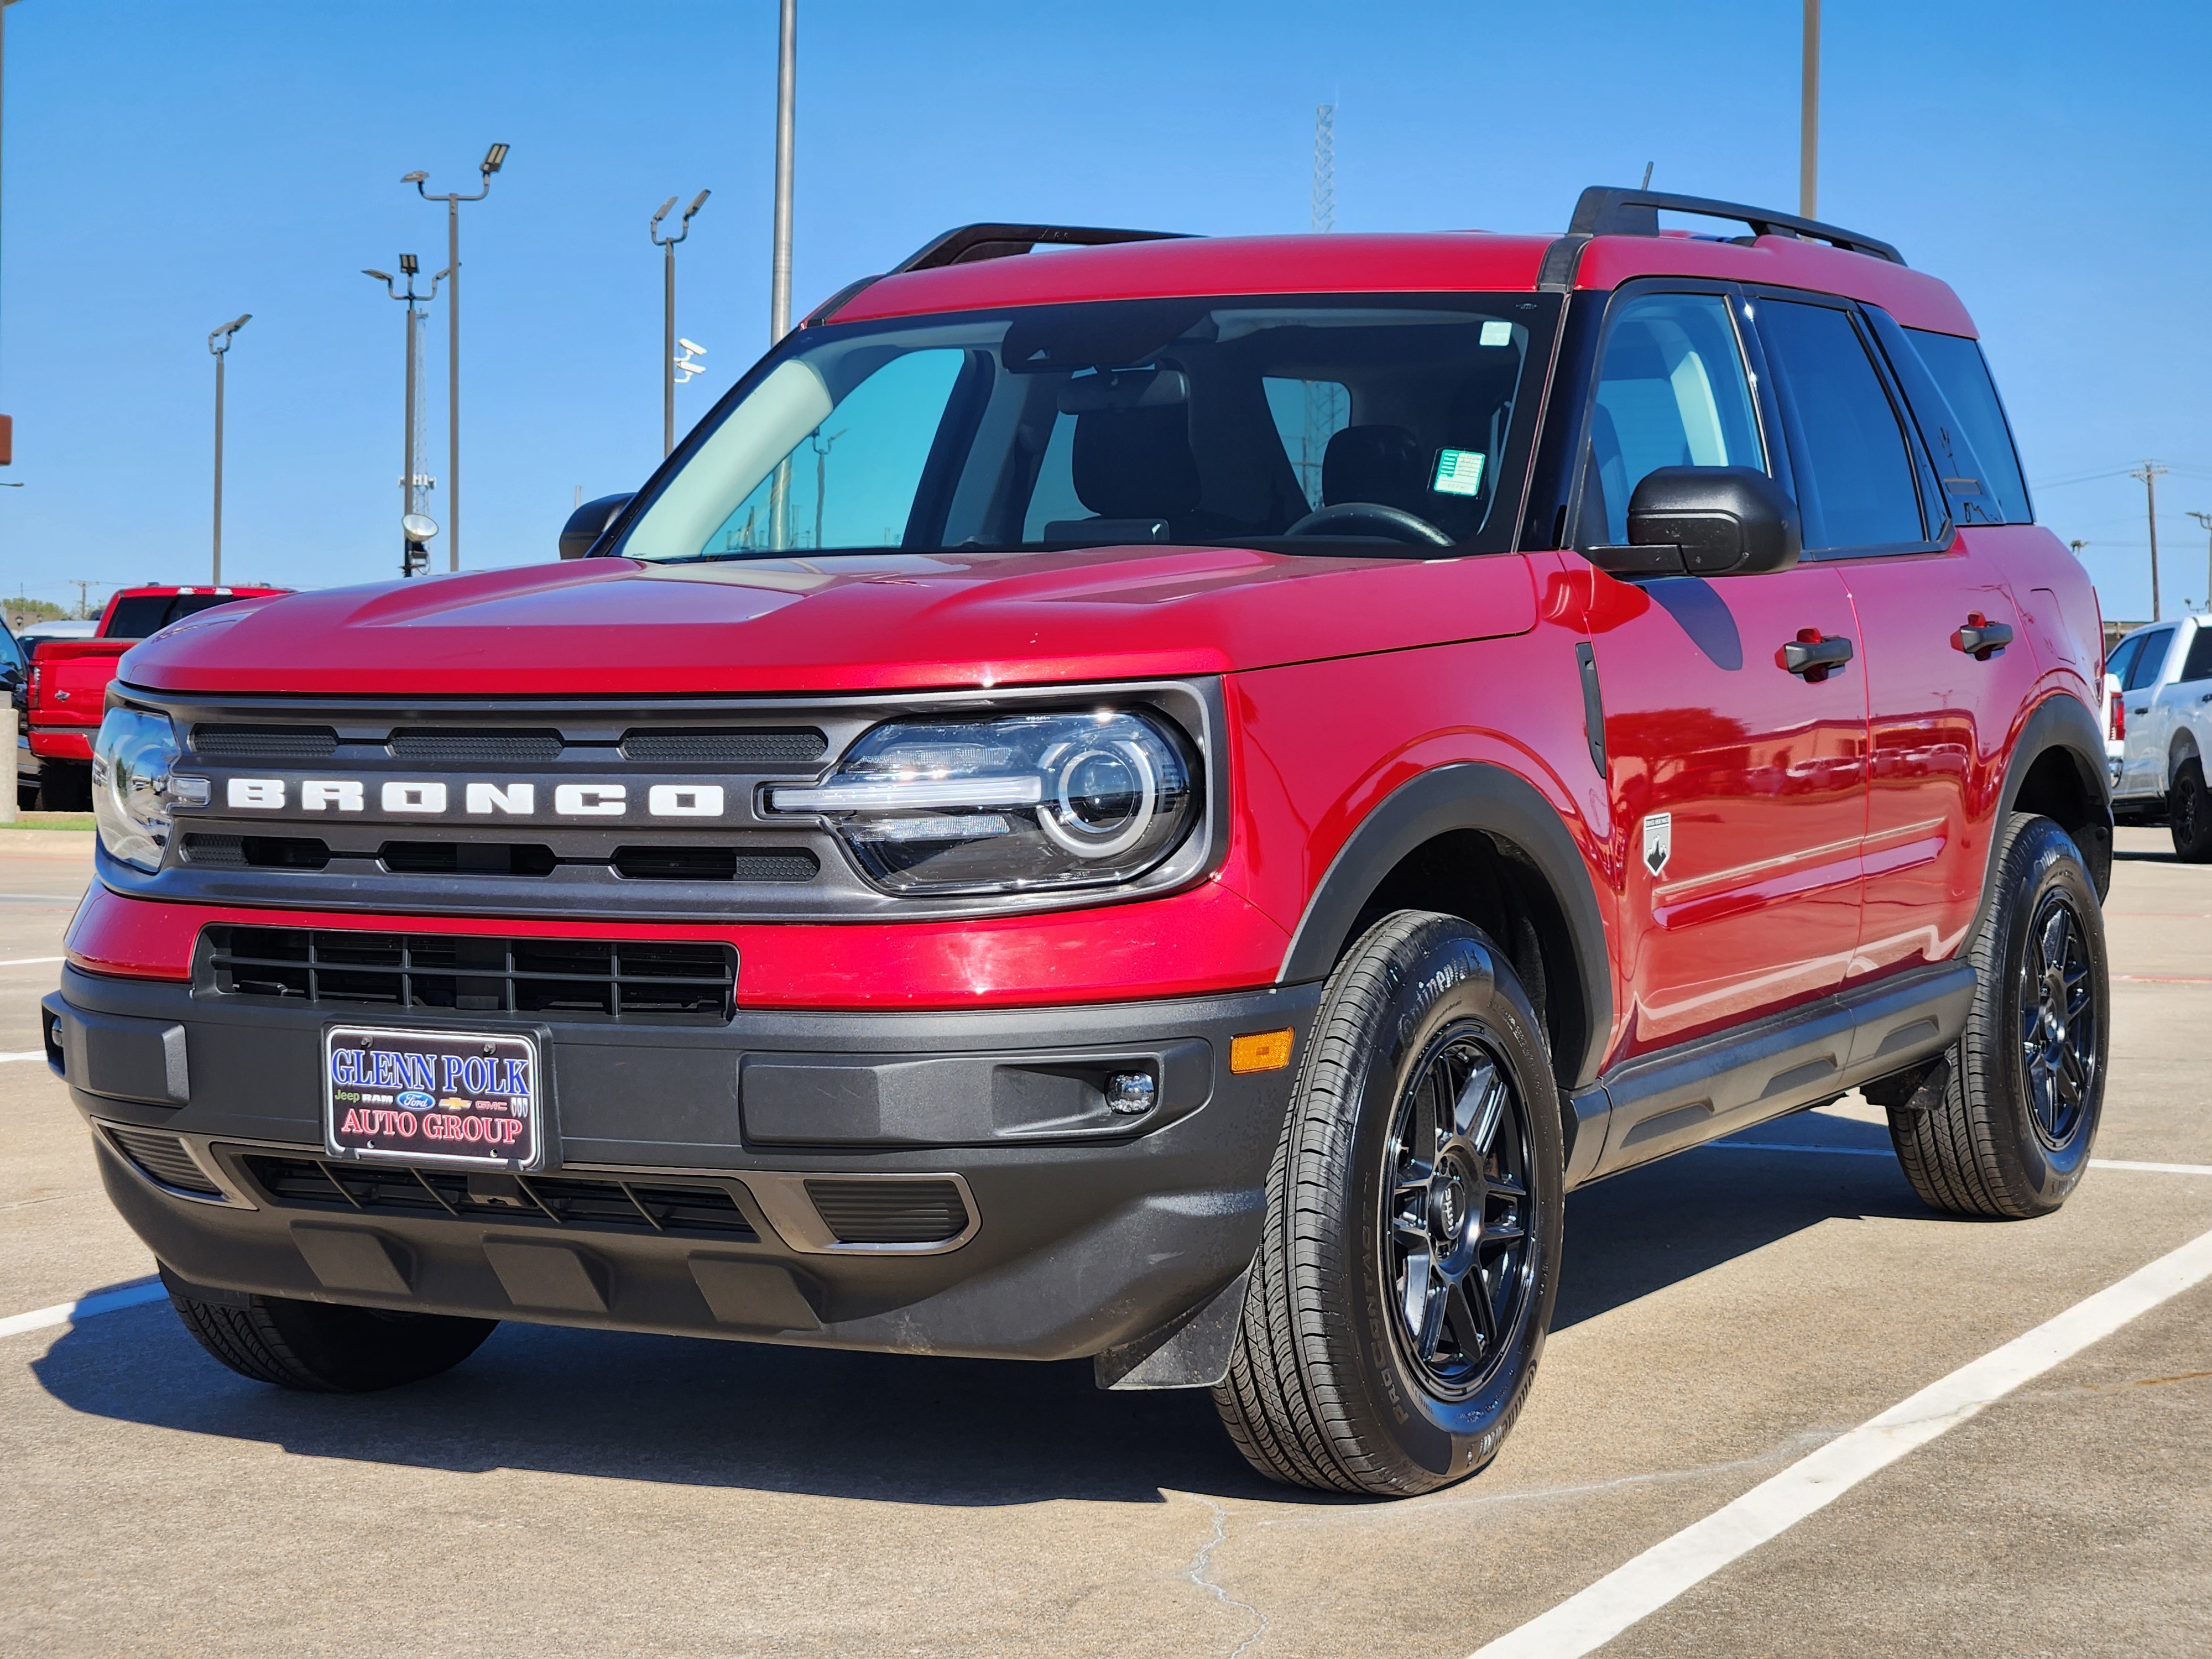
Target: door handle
[
  {"x": 1981, "y": 639},
  {"x": 1810, "y": 656},
  {"x": 2140, "y": 708}
]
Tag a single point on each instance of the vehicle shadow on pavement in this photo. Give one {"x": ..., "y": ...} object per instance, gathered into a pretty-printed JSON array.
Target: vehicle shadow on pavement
[
  {"x": 1645, "y": 1230},
  {"x": 897, "y": 1428}
]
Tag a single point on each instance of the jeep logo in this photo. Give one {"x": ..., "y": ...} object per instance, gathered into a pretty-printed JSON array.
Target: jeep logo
[{"x": 405, "y": 798}]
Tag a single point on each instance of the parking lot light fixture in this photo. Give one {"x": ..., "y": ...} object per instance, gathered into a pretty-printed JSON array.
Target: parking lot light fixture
[
  {"x": 218, "y": 346},
  {"x": 413, "y": 555},
  {"x": 672, "y": 366}
]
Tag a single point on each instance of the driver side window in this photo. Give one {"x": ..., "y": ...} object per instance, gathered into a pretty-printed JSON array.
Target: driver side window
[{"x": 1671, "y": 392}]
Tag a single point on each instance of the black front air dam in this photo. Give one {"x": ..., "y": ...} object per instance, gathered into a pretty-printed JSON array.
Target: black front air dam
[{"x": 1085, "y": 1232}]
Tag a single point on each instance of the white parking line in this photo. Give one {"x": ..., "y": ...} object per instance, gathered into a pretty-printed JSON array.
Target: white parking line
[
  {"x": 1883, "y": 1152},
  {"x": 64, "y": 1313},
  {"x": 1593, "y": 1617},
  {"x": 30, "y": 962},
  {"x": 27, "y": 1054}
]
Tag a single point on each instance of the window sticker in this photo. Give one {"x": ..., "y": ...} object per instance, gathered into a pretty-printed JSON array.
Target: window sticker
[
  {"x": 1459, "y": 471},
  {"x": 1497, "y": 334}
]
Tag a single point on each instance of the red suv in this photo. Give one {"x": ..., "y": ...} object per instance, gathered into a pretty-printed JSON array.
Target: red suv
[{"x": 1163, "y": 803}]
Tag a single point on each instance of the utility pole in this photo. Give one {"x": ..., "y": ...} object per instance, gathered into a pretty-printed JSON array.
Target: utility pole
[
  {"x": 2149, "y": 472},
  {"x": 415, "y": 526},
  {"x": 2205, "y": 519},
  {"x": 494, "y": 159},
  {"x": 669, "y": 360},
  {"x": 786, "y": 87},
  {"x": 219, "y": 344},
  {"x": 1808, "y": 117}
]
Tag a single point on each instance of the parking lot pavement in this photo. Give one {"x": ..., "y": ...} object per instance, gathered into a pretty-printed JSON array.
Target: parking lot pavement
[{"x": 1722, "y": 1315}]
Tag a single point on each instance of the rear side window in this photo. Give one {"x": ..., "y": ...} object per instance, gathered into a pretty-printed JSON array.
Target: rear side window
[
  {"x": 1961, "y": 370},
  {"x": 2124, "y": 658},
  {"x": 1854, "y": 475},
  {"x": 1671, "y": 392},
  {"x": 2150, "y": 661},
  {"x": 2199, "y": 664}
]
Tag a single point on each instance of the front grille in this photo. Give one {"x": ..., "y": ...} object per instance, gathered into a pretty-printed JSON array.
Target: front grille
[
  {"x": 603, "y": 1203},
  {"x": 612, "y": 979},
  {"x": 889, "y": 1211},
  {"x": 163, "y": 1157},
  {"x": 715, "y": 864},
  {"x": 257, "y": 852},
  {"x": 264, "y": 742},
  {"x": 472, "y": 858},
  {"x": 456, "y": 747},
  {"x": 703, "y": 746}
]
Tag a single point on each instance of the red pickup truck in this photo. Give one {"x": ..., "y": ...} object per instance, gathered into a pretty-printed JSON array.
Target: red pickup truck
[{"x": 69, "y": 684}]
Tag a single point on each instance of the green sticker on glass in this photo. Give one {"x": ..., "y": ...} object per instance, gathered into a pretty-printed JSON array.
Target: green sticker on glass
[
  {"x": 1459, "y": 472},
  {"x": 1497, "y": 334}
]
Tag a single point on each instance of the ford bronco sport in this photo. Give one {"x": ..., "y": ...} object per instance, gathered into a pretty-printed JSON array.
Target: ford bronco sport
[{"x": 1162, "y": 802}]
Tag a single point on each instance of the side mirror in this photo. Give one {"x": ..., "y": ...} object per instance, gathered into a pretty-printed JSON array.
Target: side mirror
[
  {"x": 11, "y": 677},
  {"x": 1706, "y": 521},
  {"x": 589, "y": 522}
]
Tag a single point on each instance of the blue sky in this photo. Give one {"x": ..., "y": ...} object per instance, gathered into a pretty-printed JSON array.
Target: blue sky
[{"x": 170, "y": 165}]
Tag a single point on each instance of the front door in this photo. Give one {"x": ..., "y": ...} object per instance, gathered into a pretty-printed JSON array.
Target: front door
[{"x": 1738, "y": 787}]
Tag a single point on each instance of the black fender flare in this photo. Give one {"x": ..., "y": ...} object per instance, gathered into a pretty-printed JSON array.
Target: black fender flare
[
  {"x": 2064, "y": 723},
  {"x": 1465, "y": 795}
]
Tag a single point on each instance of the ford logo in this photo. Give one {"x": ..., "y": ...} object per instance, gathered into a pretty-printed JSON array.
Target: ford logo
[{"x": 414, "y": 1100}]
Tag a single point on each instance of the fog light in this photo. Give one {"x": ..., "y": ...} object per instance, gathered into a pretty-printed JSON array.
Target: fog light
[{"x": 1130, "y": 1092}]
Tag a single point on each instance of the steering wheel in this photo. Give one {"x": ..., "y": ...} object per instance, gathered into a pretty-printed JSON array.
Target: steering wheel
[{"x": 1373, "y": 519}]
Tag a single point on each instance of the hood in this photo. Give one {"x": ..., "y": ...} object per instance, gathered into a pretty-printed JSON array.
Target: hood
[{"x": 857, "y": 623}]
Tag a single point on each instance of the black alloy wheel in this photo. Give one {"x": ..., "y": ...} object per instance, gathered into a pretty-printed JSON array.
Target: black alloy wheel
[
  {"x": 1409, "y": 1259},
  {"x": 2058, "y": 1037},
  {"x": 2002, "y": 1124},
  {"x": 1458, "y": 1226},
  {"x": 2189, "y": 814}
]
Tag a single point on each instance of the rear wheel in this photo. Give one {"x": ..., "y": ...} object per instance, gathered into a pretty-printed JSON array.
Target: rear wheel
[
  {"x": 2002, "y": 1125},
  {"x": 66, "y": 786},
  {"x": 1400, "y": 1300},
  {"x": 2189, "y": 815},
  {"x": 323, "y": 1348}
]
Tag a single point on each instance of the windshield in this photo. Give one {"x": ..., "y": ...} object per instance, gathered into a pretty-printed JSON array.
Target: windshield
[
  {"x": 1133, "y": 420},
  {"x": 139, "y": 615}
]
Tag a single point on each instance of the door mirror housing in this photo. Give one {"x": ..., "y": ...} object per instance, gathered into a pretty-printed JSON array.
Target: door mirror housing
[
  {"x": 1706, "y": 521},
  {"x": 589, "y": 522}
]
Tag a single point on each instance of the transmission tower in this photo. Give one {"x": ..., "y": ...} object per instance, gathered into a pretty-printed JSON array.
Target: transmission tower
[{"x": 1325, "y": 412}]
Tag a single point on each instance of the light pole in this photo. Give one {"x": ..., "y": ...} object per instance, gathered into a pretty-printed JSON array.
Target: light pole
[
  {"x": 219, "y": 344},
  {"x": 668, "y": 362},
  {"x": 415, "y": 527},
  {"x": 494, "y": 159},
  {"x": 1808, "y": 116},
  {"x": 7, "y": 422},
  {"x": 2205, "y": 519},
  {"x": 787, "y": 83}
]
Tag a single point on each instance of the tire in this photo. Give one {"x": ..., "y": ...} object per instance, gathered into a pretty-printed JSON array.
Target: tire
[
  {"x": 2189, "y": 815},
  {"x": 2002, "y": 1125},
  {"x": 1372, "y": 1215},
  {"x": 319, "y": 1347}
]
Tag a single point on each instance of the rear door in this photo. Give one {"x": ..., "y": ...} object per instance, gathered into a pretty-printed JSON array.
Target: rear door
[
  {"x": 1878, "y": 508},
  {"x": 1739, "y": 787},
  {"x": 2142, "y": 764}
]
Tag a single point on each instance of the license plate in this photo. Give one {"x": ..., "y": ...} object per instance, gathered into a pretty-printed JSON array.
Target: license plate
[{"x": 459, "y": 1098}]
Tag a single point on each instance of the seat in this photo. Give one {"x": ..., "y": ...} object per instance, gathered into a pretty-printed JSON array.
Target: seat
[{"x": 1385, "y": 464}]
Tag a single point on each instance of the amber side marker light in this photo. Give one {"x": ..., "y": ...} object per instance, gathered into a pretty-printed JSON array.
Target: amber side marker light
[{"x": 1262, "y": 1051}]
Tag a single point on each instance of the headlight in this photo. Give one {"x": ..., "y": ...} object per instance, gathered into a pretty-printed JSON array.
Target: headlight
[
  {"x": 131, "y": 788},
  {"x": 1009, "y": 805}
]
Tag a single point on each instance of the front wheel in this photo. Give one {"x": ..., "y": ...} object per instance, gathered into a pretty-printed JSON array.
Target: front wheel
[
  {"x": 1400, "y": 1298},
  {"x": 2002, "y": 1125},
  {"x": 321, "y": 1347}
]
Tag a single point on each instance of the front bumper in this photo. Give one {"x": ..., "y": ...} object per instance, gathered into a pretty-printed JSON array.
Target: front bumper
[{"x": 1070, "y": 1230}]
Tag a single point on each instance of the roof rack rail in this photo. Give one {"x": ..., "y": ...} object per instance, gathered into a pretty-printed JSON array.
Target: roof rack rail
[
  {"x": 1610, "y": 211},
  {"x": 969, "y": 243}
]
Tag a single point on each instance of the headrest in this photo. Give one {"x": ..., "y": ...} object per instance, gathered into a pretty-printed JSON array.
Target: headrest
[
  {"x": 1136, "y": 463},
  {"x": 1382, "y": 463}
]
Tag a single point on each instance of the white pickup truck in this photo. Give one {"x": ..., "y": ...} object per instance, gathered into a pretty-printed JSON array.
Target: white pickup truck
[{"x": 2164, "y": 722}]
